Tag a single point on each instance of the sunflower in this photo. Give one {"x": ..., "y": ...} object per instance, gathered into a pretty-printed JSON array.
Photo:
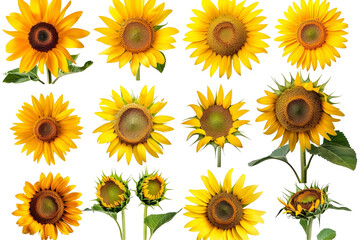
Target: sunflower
[
  {"x": 299, "y": 111},
  {"x": 135, "y": 35},
  {"x": 113, "y": 193},
  {"x": 223, "y": 37},
  {"x": 216, "y": 121},
  {"x": 311, "y": 33},
  {"x": 151, "y": 189},
  {"x": 46, "y": 128},
  {"x": 42, "y": 36},
  {"x": 219, "y": 212},
  {"x": 48, "y": 207},
  {"x": 133, "y": 125}
]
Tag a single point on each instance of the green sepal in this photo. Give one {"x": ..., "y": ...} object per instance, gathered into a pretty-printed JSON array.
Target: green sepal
[
  {"x": 155, "y": 221},
  {"x": 336, "y": 151},
  {"x": 73, "y": 68},
  {"x": 161, "y": 67},
  {"x": 326, "y": 234},
  {"x": 278, "y": 154},
  {"x": 14, "y": 76},
  {"x": 158, "y": 27}
]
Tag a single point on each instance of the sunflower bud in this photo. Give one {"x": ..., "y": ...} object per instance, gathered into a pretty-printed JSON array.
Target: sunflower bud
[{"x": 151, "y": 188}]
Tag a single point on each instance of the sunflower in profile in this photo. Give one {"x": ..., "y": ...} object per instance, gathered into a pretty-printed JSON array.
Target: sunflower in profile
[
  {"x": 151, "y": 189},
  {"x": 46, "y": 128},
  {"x": 299, "y": 111},
  {"x": 48, "y": 207},
  {"x": 311, "y": 33},
  {"x": 220, "y": 210},
  {"x": 225, "y": 36},
  {"x": 216, "y": 121},
  {"x": 135, "y": 34},
  {"x": 133, "y": 125},
  {"x": 42, "y": 36}
]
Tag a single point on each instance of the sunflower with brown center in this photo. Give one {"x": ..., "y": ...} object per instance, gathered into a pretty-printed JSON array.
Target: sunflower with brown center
[
  {"x": 46, "y": 128},
  {"x": 311, "y": 34},
  {"x": 220, "y": 211},
  {"x": 133, "y": 125},
  {"x": 113, "y": 193},
  {"x": 135, "y": 35},
  {"x": 299, "y": 111},
  {"x": 42, "y": 36},
  {"x": 151, "y": 189},
  {"x": 48, "y": 207},
  {"x": 216, "y": 121},
  {"x": 225, "y": 36}
]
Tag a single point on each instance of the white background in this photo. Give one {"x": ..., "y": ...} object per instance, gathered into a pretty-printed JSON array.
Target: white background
[{"x": 180, "y": 163}]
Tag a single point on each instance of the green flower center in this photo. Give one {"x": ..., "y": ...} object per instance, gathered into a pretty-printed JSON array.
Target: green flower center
[
  {"x": 224, "y": 211},
  {"x": 47, "y": 207},
  {"x": 311, "y": 34},
  {"x": 306, "y": 198},
  {"x": 111, "y": 192},
  {"x": 133, "y": 124},
  {"x": 154, "y": 186},
  {"x": 226, "y": 35},
  {"x": 216, "y": 121},
  {"x": 136, "y": 35}
]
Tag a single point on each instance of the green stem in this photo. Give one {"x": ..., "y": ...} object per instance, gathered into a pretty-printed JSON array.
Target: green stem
[
  {"x": 138, "y": 74},
  {"x": 123, "y": 224},
  {"x": 218, "y": 156},
  {"x": 308, "y": 165},
  {"x": 297, "y": 176},
  {"x": 49, "y": 77},
  {"x": 121, "y": 234},
  {"x": 145, "y": 227},
  {"x": 309, "y": 229},
  {"x": 303, "y": 166}
]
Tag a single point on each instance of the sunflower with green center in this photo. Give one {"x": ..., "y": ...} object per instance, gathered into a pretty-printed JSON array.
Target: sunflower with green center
[
  {"x": 46, "y": 128},
  {"x": 48, "y": 207},
  {"x": 299, "y": 111},
  {"x": 225, "y": 36},
  {"x": 151, "y": 189},
  {"x": 136, "y": 34},
  {"x": 311, "y": 34},
  {"x": 219, "y": 211},
  {"x": 133, "y": 124},
  {"x": 113, "y": 193},
  {"x": 216, "y": 121},
  {"x": 42, "y": 36}
]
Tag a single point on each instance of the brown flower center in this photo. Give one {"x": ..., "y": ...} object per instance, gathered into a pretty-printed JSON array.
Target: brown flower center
[
  {"x": 136, "y": 35},
  {"x": 306, "y": 198},
  {"x": 46, "y": 129},
  {"x": 47, "y": 207},
  {"x": 43, "y": 37},
  {"x": 299, "y": 110},
  {"x": 111, "y": 192},
  {"x": 216, "y": 121},
  {"x": 226, "y": 35},
  {"x": 133, "y": 124},
  {"x": 311, "y": 34},
  {"x": 224, "y": 211}
]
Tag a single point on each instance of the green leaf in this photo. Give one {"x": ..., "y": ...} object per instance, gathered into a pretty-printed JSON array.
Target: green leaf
[
  {"x": 14, "y": 76},
  {"x": 330, "y": 206},
  {"x": 278, "y": 154},
  {"x": 326, "y": 234},
  {"x": 155, "y": 221},
  {"x": 73, "y": 68},
  {"x": 303, "y": 223},
  {"x": 98, "y": 208},
  {"x": 158, "y": 27},
  {"x": 161, "y": 67},
  {"x": 336, "y": 151}
]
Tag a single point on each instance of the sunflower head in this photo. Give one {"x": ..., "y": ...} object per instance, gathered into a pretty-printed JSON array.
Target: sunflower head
[
  {"x": 299, "y": 110},
  {"x": 42, "y": 35},
  {"x": 133, "y": 125},
  {"x": 226, "y": 35},
  {"x": 311, "y": 33},
  {"x": 48, "y": 207},
  {"x": 47, "y": 127},
  {"x": 135, "y": 34},
  {"x": 221, "y": 211},
  {"x": 217, "y": 120},
  {"x": 151, "y": 188},
  {"x": 306, "y": 203},
  {"x": 112, "y": 193}
]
